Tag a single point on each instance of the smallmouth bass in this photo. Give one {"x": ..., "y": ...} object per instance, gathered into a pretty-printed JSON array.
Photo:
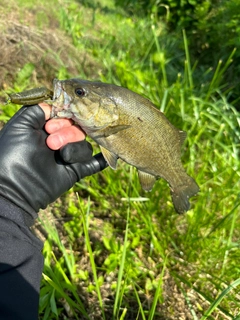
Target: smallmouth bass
[{"x": 130, "y": 127}]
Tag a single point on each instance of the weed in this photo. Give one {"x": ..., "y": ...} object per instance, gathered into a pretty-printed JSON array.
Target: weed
[{"x": 122, "y": 253}]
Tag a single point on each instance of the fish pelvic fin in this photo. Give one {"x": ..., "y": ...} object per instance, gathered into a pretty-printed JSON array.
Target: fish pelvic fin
[
  {"x": 146, "y": 180},
  {"x": 181, "y": 194},
  {"x": 110, "y": 157}
]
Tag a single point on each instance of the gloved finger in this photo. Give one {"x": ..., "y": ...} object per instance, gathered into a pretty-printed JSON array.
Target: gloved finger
[
  {"x": 101, "y": 161},
  {"x": 97, "y": 164},
  {"x": 80, "y": 151},
  {"x": 27, "y": 116},
  {"x": 80, "y": 170}
]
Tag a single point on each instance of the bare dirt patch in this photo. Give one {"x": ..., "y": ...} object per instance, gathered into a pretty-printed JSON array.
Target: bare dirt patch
[{"x": 48, "y": 50}]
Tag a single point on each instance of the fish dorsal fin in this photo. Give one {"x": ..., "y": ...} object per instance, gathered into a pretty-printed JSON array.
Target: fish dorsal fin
[
  {"x": 110, "y": 157},
  {"x": 182, "y": 136},
  {"x": 147, "y": 180}
]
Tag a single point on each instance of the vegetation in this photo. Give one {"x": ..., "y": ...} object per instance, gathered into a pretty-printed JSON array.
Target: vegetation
[{"x": 113, "y": 251}]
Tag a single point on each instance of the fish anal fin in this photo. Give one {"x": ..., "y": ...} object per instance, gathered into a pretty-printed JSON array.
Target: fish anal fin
[
  {"x": 146, "y": 180},
  {"x": 110, "y": 157}
]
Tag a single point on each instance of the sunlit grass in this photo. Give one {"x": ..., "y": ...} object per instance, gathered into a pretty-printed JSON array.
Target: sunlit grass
[{"x": 123, "y": 253}]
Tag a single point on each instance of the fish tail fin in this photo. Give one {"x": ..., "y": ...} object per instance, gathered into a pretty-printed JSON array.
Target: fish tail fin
[{"x": 181, "y": 193}]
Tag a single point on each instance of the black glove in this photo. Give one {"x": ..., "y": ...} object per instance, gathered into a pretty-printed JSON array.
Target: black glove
[{"x": 31, "y": 174}]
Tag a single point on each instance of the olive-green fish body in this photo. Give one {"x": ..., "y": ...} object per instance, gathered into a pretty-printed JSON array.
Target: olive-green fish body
[{"x": 128, "y": 126}]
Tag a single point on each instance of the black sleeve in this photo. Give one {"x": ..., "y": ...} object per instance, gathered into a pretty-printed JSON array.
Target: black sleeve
[{"x": 21, "y": 264}]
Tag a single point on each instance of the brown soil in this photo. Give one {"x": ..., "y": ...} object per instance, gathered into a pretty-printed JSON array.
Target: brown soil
[{"x": 48, "y": 50}]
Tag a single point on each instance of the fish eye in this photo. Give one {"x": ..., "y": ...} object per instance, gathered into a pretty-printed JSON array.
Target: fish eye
[{"x": 80, "y": 92}]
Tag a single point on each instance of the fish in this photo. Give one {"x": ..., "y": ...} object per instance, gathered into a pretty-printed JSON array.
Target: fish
[{"x": 129, "y": 127}]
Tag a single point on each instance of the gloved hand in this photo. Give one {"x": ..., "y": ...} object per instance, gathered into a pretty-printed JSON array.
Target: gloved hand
[{"x": 31, "y": 174}]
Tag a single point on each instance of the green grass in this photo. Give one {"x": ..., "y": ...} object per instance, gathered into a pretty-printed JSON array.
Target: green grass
[{"x": 116, "y": 252}]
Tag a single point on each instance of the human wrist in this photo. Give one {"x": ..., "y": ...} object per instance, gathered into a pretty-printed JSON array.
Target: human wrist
[{"x": 16, "y": 212}]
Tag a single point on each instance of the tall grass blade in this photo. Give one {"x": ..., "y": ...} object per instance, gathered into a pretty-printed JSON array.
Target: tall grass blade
[
  {"x": 157, "y": 292},
  {"x": 229, "y": 240},
  {"x": 188, "y": 61},
  {"x": 162, "y": 59},
  {"x": 223, "y": 294},
  {"x": 139, "y": 303},
  {"x": 218, "y": 75},
  {"x": 121, "y": 267},
  {"x": 91, "y": 257},
  {"x": 70, "y": 262},
  {"x": 54, "y": 284},
  {"x": 189, "y": 304},
  {"x": 123, "y": 314}
]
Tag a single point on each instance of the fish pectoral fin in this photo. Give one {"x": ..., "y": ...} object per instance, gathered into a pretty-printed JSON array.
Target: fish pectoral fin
[
  {"x": 110, "y": 157},
  {"x": 110, "y": 130},
  {"x": 147, "y": 180}
]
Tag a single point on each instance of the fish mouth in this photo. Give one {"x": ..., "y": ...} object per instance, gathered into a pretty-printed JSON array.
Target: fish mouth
[{"x": 61, "y": 102}]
